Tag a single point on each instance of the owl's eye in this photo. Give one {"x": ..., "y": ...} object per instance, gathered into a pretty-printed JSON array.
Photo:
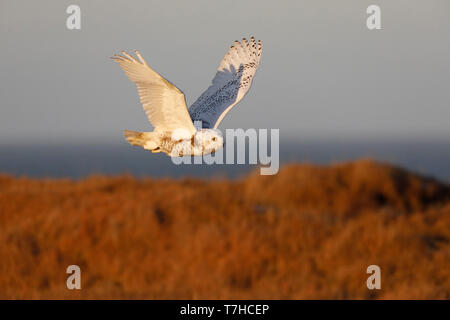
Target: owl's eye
[{"x": 214, "y": 138}]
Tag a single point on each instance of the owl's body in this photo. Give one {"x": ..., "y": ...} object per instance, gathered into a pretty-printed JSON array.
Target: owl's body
[{"x": 204, "y": 141}]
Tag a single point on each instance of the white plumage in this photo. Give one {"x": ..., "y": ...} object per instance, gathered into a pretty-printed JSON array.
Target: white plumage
[
  {"x": 232, "y": 81},
  {"x": 165, "y": 105}
]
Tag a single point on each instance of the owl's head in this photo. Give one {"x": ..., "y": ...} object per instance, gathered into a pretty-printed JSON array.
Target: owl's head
[{"x": 211, "y": 140}]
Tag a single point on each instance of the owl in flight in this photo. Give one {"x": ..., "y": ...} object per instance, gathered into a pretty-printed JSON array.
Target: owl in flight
[{"x": 165, "y": 105}]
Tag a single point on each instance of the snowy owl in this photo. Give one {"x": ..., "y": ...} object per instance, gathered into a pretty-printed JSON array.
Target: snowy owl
[{"x": 165, "y": 105}]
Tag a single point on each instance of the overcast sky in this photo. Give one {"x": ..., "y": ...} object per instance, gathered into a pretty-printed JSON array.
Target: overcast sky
[{"x": 323, "y": 74}]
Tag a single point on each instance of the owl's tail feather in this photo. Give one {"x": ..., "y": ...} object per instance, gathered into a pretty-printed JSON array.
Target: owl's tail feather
[{"x": 147, "y": 140}]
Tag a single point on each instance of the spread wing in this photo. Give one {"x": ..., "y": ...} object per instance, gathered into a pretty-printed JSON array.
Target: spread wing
[
  {"x": 164, "y": 104},
  {"x": 232, "y": 81}
]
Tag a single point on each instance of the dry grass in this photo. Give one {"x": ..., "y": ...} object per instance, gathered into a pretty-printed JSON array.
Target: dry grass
[{"x": 308, "y": 232}]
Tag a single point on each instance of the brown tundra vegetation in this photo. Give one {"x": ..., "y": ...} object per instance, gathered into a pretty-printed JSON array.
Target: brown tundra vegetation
[{"x": 308, "y": 232}]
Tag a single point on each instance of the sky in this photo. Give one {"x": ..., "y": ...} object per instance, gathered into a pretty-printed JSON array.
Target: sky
[{"x": 323, "y": 74}]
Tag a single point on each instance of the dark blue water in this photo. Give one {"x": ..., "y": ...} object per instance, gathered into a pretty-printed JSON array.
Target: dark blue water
[{"x": 430, "y": 158}]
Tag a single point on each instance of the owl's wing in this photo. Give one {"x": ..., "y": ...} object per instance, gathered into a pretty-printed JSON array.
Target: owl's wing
[
  {"x": 230, "y": 84},
  {"x": 164, "y": 104}
]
